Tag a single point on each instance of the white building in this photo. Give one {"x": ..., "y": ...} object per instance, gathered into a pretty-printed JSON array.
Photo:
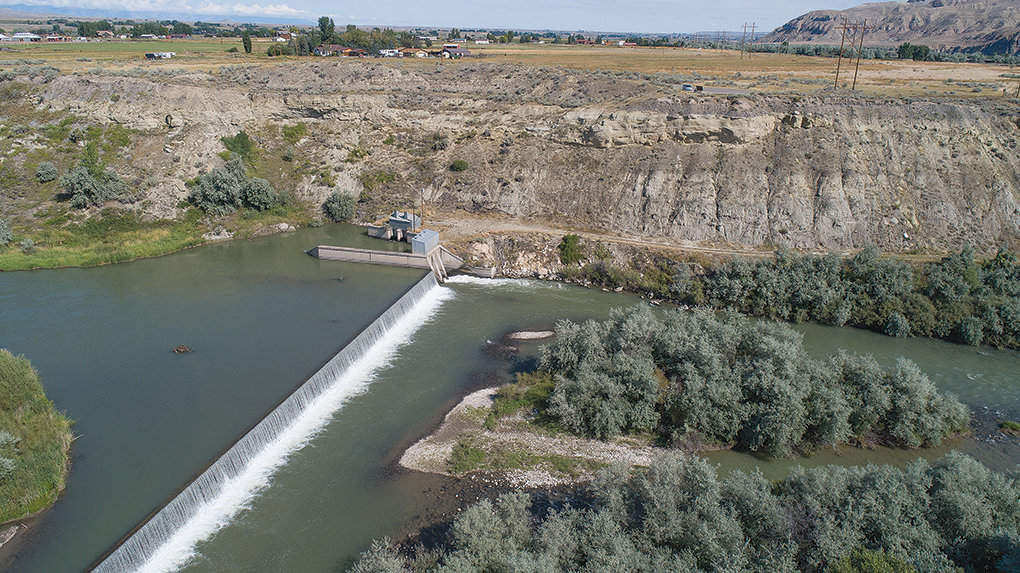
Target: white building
[
  {"x": 23, "y": 37},
  {"x": 394, "y": 53}
]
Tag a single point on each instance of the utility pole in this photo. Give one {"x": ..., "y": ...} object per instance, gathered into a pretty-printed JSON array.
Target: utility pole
[
  {"x": 860, "y": 50},
  {"x": 1018, "y": 90},
  {"x": 839, "y": 61}
]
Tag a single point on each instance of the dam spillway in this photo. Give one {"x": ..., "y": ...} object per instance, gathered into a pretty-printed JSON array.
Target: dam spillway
[{"x": 166, "y": 540}]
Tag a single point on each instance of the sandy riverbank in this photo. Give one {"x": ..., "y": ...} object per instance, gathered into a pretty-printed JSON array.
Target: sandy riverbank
[{"x": 536, "y": 458}]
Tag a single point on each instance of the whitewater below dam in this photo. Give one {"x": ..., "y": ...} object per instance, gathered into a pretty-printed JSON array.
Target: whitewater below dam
[{"x": 313, "y": 483}]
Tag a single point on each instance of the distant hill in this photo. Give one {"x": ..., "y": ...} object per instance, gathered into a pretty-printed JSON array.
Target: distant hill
[{"x": 989, "y": 26}]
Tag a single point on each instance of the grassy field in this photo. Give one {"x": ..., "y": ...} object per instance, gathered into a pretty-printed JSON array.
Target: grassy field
[
  {"x": 41, "y": 439},
  {"x": 766, "y": 73}
]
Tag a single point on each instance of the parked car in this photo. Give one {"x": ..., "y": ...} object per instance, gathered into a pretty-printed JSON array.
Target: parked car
[{"x": 687, "y": 88}]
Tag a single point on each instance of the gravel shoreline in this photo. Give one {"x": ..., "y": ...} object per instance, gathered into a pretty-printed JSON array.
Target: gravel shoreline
[{"x": 432, "y": 454}]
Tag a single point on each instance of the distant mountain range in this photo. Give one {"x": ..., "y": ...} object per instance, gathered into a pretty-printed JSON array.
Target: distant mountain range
[
  {"x": 989, "y": 26},
  {"x": 33, "y": 12}
]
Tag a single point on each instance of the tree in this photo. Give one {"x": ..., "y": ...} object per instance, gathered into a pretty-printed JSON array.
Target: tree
[
  {"x": 327, "y": 28},
  {"x": 570, "y": 249},
  {"x": 339, "y": 207},
  {"x": 246, "y": 41}
]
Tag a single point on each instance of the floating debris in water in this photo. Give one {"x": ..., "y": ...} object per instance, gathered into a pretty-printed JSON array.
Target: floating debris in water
[{"x": 182, "y": 349}]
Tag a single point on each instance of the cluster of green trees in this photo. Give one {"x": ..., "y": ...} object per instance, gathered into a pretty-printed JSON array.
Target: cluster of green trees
[
  {"x": 679, "y": 515},
  {"x": 957, "y": 298},
  {"x": 700, "y": 378},
  {"x": 90, "y": 182},
  {"x": 908, "y": 51},
  {"x": 229, "y": 188},
  {"x": 91, "y": 29}
]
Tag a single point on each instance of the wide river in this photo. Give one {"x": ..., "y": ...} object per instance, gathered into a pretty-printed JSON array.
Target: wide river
[{"x": 261, "y": 316}]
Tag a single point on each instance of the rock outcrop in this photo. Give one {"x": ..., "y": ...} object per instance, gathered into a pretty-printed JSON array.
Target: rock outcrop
[
  {"x": 990, "y": 26},
  {"x": 609, "y": 152}
]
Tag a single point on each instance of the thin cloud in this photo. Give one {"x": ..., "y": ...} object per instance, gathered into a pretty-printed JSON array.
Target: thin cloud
[{"x": 174, "y": 7}]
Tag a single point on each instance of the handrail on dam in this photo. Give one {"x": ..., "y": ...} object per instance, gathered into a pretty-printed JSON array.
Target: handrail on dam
[{"x": 439, "y": 260}]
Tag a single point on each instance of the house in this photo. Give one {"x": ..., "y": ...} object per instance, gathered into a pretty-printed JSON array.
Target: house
[
  {"x": 413, "y": 53},
  {"x": 104, "y": 34},
  {"x": 387, "y": 53},
  {"x": 456, "y": 53},
  {"x": 404, "y": 221},
  {"x": 445, "y": 46},
  {"x": 56, "y": 38},
  {"x": 147, "y": 37},
  {"x": 24, "y": 37},
  {"x": 4, "y": 38},
  {"x": 353, "y": 52},
  {"x": 283, "y": 37},
  {"x": 329, "y": 50},
  {"x": 482, "y": 42},
  {"x": 180, "y": 36}
]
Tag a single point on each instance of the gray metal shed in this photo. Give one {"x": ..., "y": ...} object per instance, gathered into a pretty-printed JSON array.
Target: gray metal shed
[{"x": 424, "y": 242}]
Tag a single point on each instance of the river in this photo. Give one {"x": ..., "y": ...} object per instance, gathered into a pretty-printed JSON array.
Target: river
[{"x": 261, "y": 316}]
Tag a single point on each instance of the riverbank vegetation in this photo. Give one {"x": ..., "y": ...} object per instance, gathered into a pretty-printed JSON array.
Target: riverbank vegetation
[
  {"x": 700, "y": 379},
  {"x": 114, "y": 236},
  {"x": 679, "y": 515},
  {"x": 34, "y": 441},
  {"x": 958, "y": 298}
]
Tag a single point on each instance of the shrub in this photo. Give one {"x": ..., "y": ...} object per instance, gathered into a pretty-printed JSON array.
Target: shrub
[
  {"x": 279, "y": 49},
  {"x": 90, "y": 183},
  {"x": 5, "y": 233},
  {"x": 233, "y": 50},
  {"x": 6, "y": 468},
  {"x": 459, "y": 165},
  {"x": 339, "y": 207},
  {"x": 45, "y": 172},
  {"x": 227, "y": 189},
  {"x": 241, "y": 145},
  {"x": 570, "y": 249},
  {"x": 897, "y": 325},
  {"x": 27, "y": 246},
  {"x": 259, "y": 195},
  {"x": 288, "y": 154},
  {"x": 293, "y": 133}
]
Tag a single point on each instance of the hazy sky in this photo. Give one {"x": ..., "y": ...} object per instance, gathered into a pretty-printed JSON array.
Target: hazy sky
[{"x": 600, "y": 15}]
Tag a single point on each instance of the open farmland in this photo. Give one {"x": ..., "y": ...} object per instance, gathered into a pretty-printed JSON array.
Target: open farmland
[{"x": 719, "y": 69}]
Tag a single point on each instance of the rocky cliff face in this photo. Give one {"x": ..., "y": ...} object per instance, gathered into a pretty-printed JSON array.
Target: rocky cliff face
[
  {"x": 625, "y": 154},
  {"x": 990, "y": 26}
]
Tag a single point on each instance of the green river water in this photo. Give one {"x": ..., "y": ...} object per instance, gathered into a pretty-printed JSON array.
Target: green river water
[{"x": 262, "y": 316}]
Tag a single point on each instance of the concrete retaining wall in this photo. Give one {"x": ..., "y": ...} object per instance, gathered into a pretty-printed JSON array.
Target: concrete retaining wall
[{"x": 353, "y": 255}]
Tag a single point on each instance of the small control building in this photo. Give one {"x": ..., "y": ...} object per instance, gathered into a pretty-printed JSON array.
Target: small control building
[{"x": 423, "y": 242}]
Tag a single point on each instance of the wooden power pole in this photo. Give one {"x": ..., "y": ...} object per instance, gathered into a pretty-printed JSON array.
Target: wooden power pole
[
  {"x": 744, "y": 46},
  {"x": 856, "y": 36},
  {"x": 860, "y": 49},
  {"x": 839, "y": 59}
]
